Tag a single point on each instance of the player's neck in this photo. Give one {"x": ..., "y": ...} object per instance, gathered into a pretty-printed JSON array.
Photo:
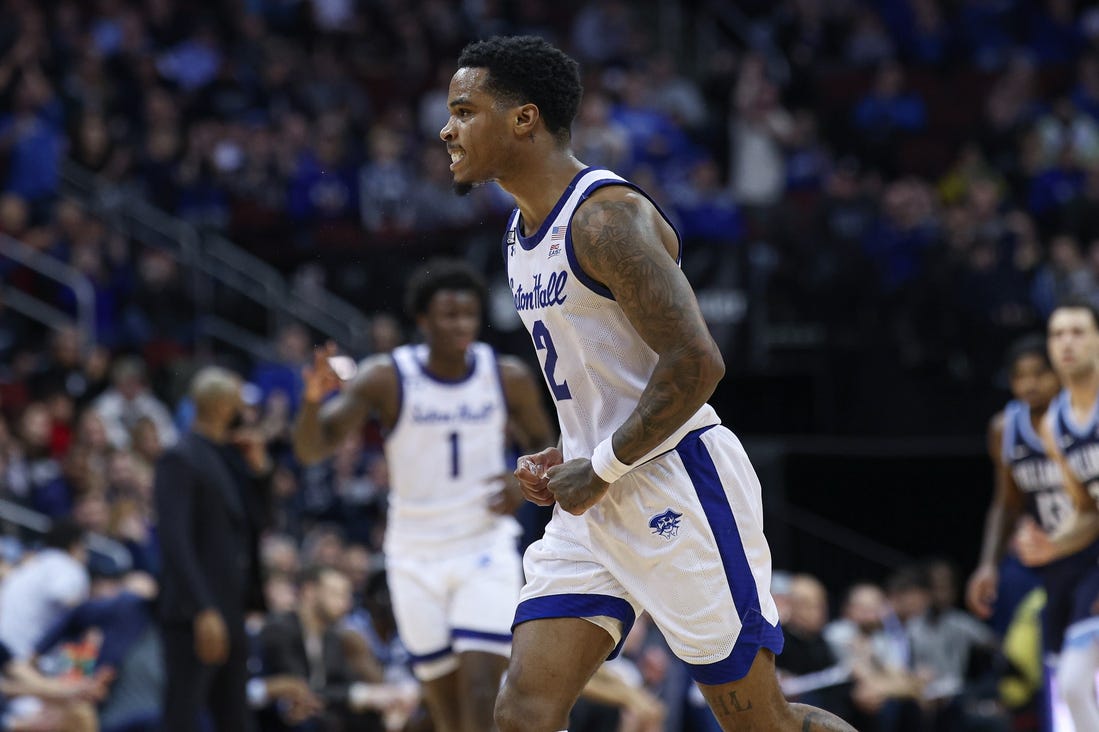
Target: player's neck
[
  {"x": 450, "y": 366},
  {"x": 540, "y": 184},
  {"x": 1083, "y": 390}
]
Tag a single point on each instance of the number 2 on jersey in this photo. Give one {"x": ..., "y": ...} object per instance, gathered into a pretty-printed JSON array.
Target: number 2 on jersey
[{"x": 543, "y": 342}]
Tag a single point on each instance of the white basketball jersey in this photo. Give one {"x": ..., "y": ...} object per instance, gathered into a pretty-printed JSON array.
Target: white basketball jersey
[
  {"x": 445, "y": 454},
  {"x": 594, "y": 362}
]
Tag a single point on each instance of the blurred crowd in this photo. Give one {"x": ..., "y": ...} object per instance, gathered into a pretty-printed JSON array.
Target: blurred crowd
[
  {"x": 915, "y": 182},
  {"x": 897, "y": 187}
]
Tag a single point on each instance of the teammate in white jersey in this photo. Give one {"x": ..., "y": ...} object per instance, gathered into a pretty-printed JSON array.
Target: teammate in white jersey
[
  {"x": 657, "y": 506},
  {"x": 452, "y": 560}
]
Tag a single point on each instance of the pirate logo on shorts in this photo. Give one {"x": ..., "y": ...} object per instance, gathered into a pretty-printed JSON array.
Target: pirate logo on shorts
[{"x": 666, "y": 524}]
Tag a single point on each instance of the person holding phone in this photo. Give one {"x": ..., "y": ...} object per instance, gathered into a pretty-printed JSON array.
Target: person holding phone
[{"x": 211, "y": 493}]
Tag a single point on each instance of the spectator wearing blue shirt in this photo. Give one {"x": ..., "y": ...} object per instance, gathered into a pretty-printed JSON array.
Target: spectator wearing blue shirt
[
  {"x": 283, "y": 373},
  {"x": 130, "y": 651},
  {"x": 706, "y": 210},
  {"x": 886, "y": 115},
  {"x": 33, "y": 138}
]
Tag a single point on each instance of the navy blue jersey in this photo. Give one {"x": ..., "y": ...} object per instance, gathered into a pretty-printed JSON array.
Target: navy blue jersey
[
  {"x": 1079, "y": 442},
  {"x": 1071, "y": 582},
  {"x": 1037, "y": 476}
]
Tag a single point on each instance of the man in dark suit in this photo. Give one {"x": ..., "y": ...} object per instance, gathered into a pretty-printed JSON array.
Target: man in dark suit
[
  {"x": 310, "y": 644},
  {"x": 211, "y": 493}
]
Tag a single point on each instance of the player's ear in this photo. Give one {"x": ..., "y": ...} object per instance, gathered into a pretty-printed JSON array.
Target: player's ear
[{"x": 526, "y": 117}]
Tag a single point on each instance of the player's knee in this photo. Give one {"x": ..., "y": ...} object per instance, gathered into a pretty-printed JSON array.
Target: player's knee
[{"x": 522, "y": 712}]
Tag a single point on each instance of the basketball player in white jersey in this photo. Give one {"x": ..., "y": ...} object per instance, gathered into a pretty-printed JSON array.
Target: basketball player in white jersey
[
  {"x": 657, "y": 506},
  {"x": 452, "y": 561}
]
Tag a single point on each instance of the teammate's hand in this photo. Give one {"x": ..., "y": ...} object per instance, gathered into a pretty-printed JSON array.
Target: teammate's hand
[
  {"x": 980, "y": 593},
  {"x": 320, "y": 379},
  {"x": 531, "y": 472},
  {"x": 509, "y": 498},
  {"x": 1033, "y": 544},
  {"x": 211, "y": 638},
  {"x": 575, "y": 485}
]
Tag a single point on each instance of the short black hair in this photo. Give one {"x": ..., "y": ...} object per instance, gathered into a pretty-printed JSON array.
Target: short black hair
[
  {"x": 1033, "y": 344},
  {"x": 529, "y": 69},
  {"x": 442, "y": 274},
  {"x": 908, "y": 577},
  {"x": 1076, "y": 302},
  {"x": 312, "y": 574},
  {"x": 64, "y": 534}
]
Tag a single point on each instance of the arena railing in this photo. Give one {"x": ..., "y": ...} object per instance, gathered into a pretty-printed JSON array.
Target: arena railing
[
  {"x": 53, "y": 269},
  {"x": 12, "y": 514},
  {"x": 212, "y": 260}
]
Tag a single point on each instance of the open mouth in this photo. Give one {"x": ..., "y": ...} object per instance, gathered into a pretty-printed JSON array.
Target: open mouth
[{"x": 456, "y": 156}]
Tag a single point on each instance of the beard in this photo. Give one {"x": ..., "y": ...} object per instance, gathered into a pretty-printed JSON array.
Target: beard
[{"x": 463, "y": 189}]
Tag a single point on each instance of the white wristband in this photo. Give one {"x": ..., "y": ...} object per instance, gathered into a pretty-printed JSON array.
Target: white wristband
[{"x": 606, "y": 464}]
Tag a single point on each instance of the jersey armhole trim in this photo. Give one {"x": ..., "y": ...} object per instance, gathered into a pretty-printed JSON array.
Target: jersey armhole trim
[
  {"x": 570, "y": 252},
  {"x": 400, "y": 393}
]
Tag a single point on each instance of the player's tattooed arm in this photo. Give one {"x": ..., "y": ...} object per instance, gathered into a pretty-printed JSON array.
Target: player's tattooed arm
[
  {"x": 618, "y": 240},
  {"x": 321, "y": 425}
]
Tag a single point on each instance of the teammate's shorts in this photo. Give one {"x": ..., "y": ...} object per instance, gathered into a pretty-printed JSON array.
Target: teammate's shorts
[
  {"x": 459, "y": 601},
  {"x": 1072, "y": 591},
  {"x": 680, "y": 537}
]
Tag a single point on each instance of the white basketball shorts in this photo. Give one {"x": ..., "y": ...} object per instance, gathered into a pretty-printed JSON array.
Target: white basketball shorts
[
  {"x": 455, "y": 602},
  {"x": 680, "y": 537}
]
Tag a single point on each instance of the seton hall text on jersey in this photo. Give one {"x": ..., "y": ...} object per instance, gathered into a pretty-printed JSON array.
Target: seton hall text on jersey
[
  {"x": 538, "y": 297},
  {"x": 463, "y": 413}
]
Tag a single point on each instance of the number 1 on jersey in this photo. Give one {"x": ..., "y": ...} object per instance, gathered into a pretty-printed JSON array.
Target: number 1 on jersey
[
  {"x": 453, "y": 454},
  {"x": 543, "y": 342}
]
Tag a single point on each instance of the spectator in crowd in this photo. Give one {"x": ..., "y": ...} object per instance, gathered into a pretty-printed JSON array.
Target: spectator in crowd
[
  {"x": 870, "y": 640},
  {"x": 282, "y": 375},
  {"x": 758, "y": 134},
  {"x": 128, "y": 400},
  {"x": 806, "y": 651},
  {"x": 128, "y": 663},
  {"x": 56, "y": 704},
  {"x": 72, "y": 367},
  {"x": 887, "y": 116},
  {"x": 43, "y": 587},
  {"x": 309, "y": 644}
]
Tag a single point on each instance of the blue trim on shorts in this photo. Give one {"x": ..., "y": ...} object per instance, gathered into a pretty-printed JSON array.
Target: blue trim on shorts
[
  {"x": 481, "y": 635},
  {"x": 433, "y": 656},
  {"x": 755, "y": 632},
  {"x": 576, "y": 605},
  {"x": 1082, "y": 633}
]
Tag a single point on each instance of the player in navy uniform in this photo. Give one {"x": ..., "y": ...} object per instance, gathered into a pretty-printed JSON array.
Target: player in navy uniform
[
  {"x": 1027, "y": 481},
  {"x": 1070, "y": 434},
  {"x": 656, "y": 505},
  {"x": 451, "y": 555}
]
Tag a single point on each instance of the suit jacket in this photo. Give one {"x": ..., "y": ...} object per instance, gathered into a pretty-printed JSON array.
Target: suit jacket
[
  {"x": 282, "y": 651},
  {"x": 211, "y": 510}
]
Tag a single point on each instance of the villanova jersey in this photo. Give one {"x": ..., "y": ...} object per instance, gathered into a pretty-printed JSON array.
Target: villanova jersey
[
  {"x": 1037, "y": 476},
  {"x": 594, "y": 362},
  {"x": 444, "y": 452},
  {"x": 1079, "y": 443}
]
